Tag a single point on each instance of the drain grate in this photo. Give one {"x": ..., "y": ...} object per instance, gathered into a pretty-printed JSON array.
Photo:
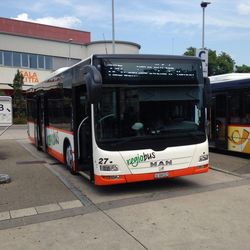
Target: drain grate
[{"x": 30, "y": 162}]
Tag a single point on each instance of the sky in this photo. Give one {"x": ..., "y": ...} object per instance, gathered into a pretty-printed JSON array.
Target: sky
[{"x": 159, "y": 26}]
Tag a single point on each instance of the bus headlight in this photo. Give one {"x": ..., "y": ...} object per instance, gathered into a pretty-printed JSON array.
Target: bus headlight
[
  {"x": 109, "y": 167},
  {"x": 203, "y": 157}
]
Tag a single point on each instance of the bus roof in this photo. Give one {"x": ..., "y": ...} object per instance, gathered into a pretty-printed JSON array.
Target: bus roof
[
  {"x": 53, "y": 78},
  {"x": 229, "y": 77},
  {"x": 146, "y": 56},
  {"x": 231, "y": 81}
]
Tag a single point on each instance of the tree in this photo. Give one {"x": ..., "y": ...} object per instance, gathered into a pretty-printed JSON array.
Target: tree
[
  {"x": 212, "y": 62},
  {"x": 217, "y": 64},
  {"x": 242, "y": 69},
  {"x": 190, "y": 51},
  {"x": 19, "y": 107},
  {"x": 225, "y": 64}
]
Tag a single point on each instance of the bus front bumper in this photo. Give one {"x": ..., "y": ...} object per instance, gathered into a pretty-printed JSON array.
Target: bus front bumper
[{"x": 120, "y": 179}]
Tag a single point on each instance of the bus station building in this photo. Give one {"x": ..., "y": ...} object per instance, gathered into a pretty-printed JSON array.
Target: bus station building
[{"x": 37, "y": 50}]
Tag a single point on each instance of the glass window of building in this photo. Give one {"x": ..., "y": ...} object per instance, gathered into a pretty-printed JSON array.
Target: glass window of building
[
  {"x": 33, "y": 61},
  {"x": 25, "y": 60},
  {"x": 7, "y": 55},
  {"x": 1, "y": 57},
  {"x": 16, "y": 59},
  {"x": 48, "y": 62},
  {"x": 41, "y": 62}
]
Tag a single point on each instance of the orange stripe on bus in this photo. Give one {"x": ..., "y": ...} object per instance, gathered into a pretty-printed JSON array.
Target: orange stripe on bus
[
  {"x": 55, "y": 154},
  {"x": 59, "y": 156},
  {"x": 111, "y": 180}
]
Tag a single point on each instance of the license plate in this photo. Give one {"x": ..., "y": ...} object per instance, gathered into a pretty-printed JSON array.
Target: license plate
[{"x": 161, "y": 175}]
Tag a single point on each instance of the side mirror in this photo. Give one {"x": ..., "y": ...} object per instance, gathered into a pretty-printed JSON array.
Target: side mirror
[{"x": 93, "y": 80}]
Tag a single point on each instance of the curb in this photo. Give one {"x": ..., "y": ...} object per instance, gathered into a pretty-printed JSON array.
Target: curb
[{"x": 225, "y": 171}]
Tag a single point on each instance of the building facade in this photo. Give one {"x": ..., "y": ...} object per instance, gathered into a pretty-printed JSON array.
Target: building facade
[{"x": 37, "y": 50}]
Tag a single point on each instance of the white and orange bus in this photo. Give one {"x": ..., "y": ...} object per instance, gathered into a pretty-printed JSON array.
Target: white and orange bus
[{"x": 123, "y": 118}]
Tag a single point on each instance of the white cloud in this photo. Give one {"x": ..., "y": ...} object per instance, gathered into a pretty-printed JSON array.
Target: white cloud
[
  {"x": 244, "y": 8},
  {"x": 157, "y": 17},
  {"x": 66, "y": 21},
  {"x": 160, "y": 19},
  {"x": 22, "y": 17},
  {"x": 93, "y": 12}
]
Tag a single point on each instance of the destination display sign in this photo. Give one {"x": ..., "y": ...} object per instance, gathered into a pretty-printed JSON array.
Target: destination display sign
[{"x": 144, "y": 71}]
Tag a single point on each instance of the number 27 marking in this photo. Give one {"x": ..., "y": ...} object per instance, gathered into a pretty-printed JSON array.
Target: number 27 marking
[{"x": 103, "y": 160}]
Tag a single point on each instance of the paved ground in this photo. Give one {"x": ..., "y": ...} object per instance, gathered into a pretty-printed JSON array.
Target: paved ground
[
  {"x": 32, "y": 184},
  {"x": 16, "y": 132},
  {"x": 233, "y": 164},
  {"x": 44, "y": 207}
]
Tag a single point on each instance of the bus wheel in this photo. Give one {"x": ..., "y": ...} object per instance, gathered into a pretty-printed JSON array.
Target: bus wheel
[{"x": 68, "y": 158}]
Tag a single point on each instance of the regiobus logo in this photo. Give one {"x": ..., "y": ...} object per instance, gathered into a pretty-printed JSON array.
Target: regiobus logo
[{"x": 134, "y": 161}]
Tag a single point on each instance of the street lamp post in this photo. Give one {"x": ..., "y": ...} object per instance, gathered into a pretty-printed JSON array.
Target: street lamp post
[
  {"x": 69, "y": 41},
  {"x": 203, "y": 6},
  {"x": 113, "y": 27}
]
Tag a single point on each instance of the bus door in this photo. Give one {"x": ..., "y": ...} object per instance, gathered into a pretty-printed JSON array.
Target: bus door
[
  {"x": 211, "y": 122},
  {"x": 40, "y": 133},
  {"x": 82, "y": 130},
  {"x": 218, "y": 121}
]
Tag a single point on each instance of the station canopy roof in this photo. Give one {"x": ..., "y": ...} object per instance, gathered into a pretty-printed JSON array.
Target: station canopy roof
[{"x": 5, "y": 86}]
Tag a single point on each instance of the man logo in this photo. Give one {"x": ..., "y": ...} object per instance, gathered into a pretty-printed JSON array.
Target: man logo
[{"x": 160, "y": 163}]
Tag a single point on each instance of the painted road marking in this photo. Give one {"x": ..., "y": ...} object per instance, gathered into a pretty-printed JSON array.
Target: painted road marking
[
  {"x": 23, "y": 212},
  {"x": 48, "y": 208},
  {"x": 4, "y": 215},
  {"x": 70, "y": 204}
]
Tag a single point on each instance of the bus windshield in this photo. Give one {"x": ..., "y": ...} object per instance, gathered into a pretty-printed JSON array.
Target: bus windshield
[{"x": 128, "y": 116}]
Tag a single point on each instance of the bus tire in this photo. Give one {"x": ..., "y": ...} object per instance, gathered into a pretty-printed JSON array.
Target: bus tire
[{"x": 68, "y": 157}]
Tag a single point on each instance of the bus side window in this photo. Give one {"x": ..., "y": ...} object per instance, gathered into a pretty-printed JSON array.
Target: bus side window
[
  {"x": 246, "y": 109},
  {"x": 81, "y": 106},
  {"x": 67, "y": 109},
  {"x": 234, "y": 108}
]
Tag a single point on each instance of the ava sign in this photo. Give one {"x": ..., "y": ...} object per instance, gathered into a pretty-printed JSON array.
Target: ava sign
[
  {"x": 203, "y": 55},
  {"x": 5, "y": 111}
]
